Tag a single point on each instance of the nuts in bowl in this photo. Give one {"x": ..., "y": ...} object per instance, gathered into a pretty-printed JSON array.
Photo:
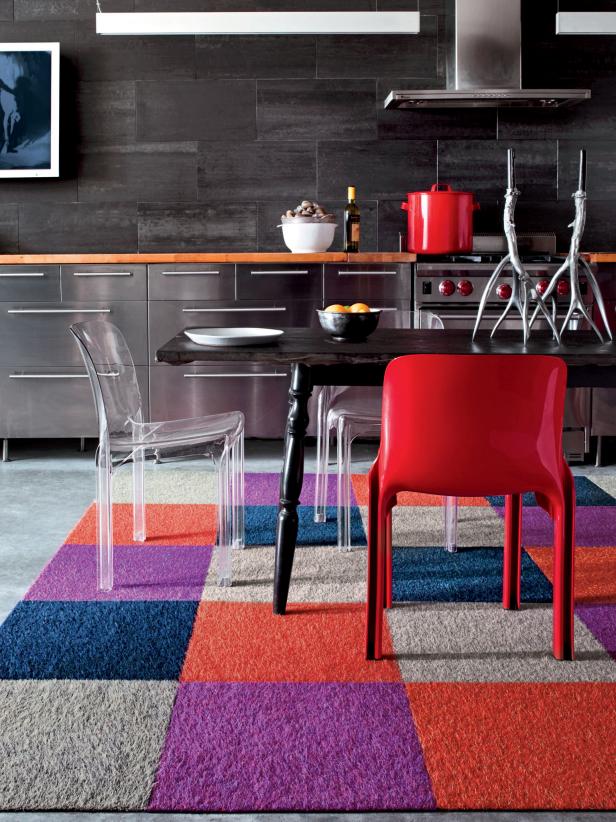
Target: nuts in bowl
[
  {"x": 349, "y": 323},
  {"x": 308, "y": 229}
]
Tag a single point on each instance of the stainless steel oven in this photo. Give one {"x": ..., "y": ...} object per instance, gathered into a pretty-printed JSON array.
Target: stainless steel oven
[{"x": 452, "y": 289}]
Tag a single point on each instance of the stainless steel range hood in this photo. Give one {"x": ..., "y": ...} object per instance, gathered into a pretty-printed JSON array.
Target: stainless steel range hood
[{"x": 484, "y": 64}]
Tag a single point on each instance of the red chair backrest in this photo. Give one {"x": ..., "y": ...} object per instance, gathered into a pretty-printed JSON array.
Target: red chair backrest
[{"x": 471, "y": 425}]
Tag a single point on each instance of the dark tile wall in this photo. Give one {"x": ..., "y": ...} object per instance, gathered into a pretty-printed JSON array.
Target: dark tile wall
[{"x": 200, "y": 143}]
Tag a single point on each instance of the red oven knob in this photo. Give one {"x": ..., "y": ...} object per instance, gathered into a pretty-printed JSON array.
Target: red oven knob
[
  {"x": 465, "y": 288},
  {"x": 563, "y": 288},
  {"x": 542, "y": 287},
  {"x": 446, "y": 288},
  {"x": 503, "y": 292}
]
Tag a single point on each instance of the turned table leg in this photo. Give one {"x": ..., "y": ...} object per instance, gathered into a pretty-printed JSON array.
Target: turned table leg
[{"x": 291, "y": 482}]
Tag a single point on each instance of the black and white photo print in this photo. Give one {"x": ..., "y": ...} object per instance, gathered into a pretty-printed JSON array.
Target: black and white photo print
[{"x": 29, "y": 106}]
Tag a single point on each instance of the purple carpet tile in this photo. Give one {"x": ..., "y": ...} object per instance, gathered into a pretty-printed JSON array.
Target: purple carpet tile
[
  {"x": 264, "y": 489},
  {"x": 141, "y": 572},
  {"x": 594, "y": 526},
  {"x": 240, "y": 747},
  {"x": 601, "y": 621}
]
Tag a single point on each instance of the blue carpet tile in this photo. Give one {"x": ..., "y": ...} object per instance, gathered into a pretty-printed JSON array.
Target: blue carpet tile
[
  {"x": 261, "y": 526},
  {"x": 587, "y": 493},
  {"x": 471, "y": 575},
  {"x": 96, "y": 640}
]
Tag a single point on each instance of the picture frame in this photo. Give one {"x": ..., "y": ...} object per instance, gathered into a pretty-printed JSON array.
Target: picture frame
[{"x": 29, "y": 110}]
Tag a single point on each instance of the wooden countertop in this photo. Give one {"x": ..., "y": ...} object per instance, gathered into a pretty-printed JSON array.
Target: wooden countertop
[
  {"x": 193, "y": 257},
  {"x": 602, "y": 256}
]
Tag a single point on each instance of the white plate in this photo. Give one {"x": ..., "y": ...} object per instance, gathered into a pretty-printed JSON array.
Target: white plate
[{"x": 232, "y": 336}]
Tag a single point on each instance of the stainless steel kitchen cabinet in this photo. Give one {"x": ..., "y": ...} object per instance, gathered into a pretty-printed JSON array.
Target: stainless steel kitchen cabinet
[
  {"x": 279, "y": 281},
  {"x": 51, "y": 402},
  {"x": 370, "y": 284},
  {"x": 104, "y": 282},
  {"x": 37, "y": 333},
  {"x": 191, "y": 281},
  {"x": 29, "y": 282},
  {"x": 261, "y": 393},
  {"x": 43, "y": 388}
]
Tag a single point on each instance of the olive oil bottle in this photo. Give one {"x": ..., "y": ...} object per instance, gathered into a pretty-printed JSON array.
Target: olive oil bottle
[{"x": 351, "y": 223}]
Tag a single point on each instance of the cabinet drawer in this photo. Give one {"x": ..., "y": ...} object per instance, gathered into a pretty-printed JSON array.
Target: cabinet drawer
[
  {"x": 104, "y": 282},
  {"x": 366, "y": 283},
  {"x": 29, "y": 282},
  {"x": 191, "y": 281},
  {"x": 167, "y": 318},
  {"x": 266, "y": 281},
  {"x": 51, "y": 402},
  {"x": 35, "y": 334},
  {"x": 260, "y": 392}
]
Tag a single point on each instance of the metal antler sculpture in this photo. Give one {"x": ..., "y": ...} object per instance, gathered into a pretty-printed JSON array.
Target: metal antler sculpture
[
  {"x": 572, "y": 265},
  {"x": 521, "y": 284}
]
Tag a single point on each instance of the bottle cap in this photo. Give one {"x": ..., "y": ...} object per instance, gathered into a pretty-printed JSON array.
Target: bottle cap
[{"x": 351, "y": 192}]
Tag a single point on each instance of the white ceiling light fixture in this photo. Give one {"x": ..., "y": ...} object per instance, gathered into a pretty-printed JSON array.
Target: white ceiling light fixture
[
  {"x": 586, "y": 22},
  {"x": 257, "y": 22}
]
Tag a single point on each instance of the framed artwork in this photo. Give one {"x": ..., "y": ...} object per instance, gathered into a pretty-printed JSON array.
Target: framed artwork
[{"x": 29, "y": 109}]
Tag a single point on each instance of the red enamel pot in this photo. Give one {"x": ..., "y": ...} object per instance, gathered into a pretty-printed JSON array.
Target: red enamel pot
[{"x": 440, "y": 221}]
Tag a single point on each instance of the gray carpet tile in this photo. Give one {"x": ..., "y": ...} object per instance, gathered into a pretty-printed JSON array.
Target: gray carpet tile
[
  {"x": 320, "y": 574},
  {"x": 86, "y": 744},
  {"x": 479, "y": 642}
]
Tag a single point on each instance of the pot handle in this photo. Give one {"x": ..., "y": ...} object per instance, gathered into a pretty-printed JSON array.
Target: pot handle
[
  {"x": 405, "y": 206},
  {"x": 476, "y": 205},
  {"x": 441, "y": 187}
]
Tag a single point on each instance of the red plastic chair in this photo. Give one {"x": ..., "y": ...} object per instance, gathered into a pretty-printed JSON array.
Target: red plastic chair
[{"x": 474, "y": 425}]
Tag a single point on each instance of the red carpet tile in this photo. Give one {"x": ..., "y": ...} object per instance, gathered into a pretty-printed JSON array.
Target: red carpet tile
[
  {"x": 595, "y": 572},
  {"x": 519, "y": 745},
  {"x": 166, "y": 525},
  {"x": 360, "y": 486},
  {"x": 246, "y": 642}
]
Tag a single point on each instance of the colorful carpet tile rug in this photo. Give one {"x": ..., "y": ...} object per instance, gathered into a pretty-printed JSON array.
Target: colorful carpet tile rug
[{"x": 172, "y": 694}]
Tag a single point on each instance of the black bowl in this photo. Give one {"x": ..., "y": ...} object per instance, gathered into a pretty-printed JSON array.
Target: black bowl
[{"x": 349, "y": 327}]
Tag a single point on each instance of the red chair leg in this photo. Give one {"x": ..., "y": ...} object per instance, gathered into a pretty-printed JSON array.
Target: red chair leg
[
  {"x": 379, "y": 613},
  {"x": 388, "y": 563},
  {"x": 373, "y": 560},
  {"x": 563, "y": 582},
  {"x": 512, "y": 558}
]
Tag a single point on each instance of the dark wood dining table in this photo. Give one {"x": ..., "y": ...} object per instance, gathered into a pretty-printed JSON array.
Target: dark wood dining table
[{"x": 317, "y": 360}]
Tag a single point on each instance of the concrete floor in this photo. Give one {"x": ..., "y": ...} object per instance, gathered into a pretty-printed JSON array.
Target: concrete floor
[{"x": 44, "y": 490}]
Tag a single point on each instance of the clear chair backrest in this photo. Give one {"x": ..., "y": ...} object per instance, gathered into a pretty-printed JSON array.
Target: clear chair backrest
[
  {"x": 429, "y": 320},
  {"x": 112, "y": 375}
]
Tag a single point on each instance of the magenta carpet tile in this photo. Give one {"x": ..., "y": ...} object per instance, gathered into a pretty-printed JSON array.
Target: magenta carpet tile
[
  {"x": 281, "y": 746},
  {"x": 141, "y": 572},
  {"x": 594, "y": 526},
  {"x": 601, "y": 620},
  {"x": 264, "y": 489},
  {"x": 171, "y": 694}
]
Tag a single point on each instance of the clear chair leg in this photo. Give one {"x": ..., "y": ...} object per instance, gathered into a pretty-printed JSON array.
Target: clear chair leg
[
  {"x": 321, "y": 477},
  {"x": 139, "y": 495},
  {"x": 450, "y": 505},
  {"x": 104, "y": 519},
  {"x": 225, "y": 518},
  {"x": 344, "y": 436},
  {"x": 237, "y": 490}
]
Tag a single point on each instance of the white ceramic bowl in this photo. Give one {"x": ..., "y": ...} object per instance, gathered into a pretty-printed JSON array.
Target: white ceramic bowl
[{"x": 308, "y": 238}]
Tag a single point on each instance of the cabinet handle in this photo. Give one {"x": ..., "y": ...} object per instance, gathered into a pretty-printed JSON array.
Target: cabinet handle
[
  {"x": 230, "y": 374},
  {"x": 59, "y": 311},
  {"x": 61, "y": 376},
  {"x": 296, "y": 271},
  {"x": 386, "y": 308},
  {"x": 367, "y": 273},
  {"x": 102, "y": 273},
  {"x": 22, "y": 274},
  {"x": 234, "y": 310},
  {"x": 188, "y": 273}
]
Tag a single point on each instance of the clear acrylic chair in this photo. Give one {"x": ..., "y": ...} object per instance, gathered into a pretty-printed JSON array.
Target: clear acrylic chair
[
  {"x": 124, "y": 437},
  {"x": 351, "y": 412}
]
